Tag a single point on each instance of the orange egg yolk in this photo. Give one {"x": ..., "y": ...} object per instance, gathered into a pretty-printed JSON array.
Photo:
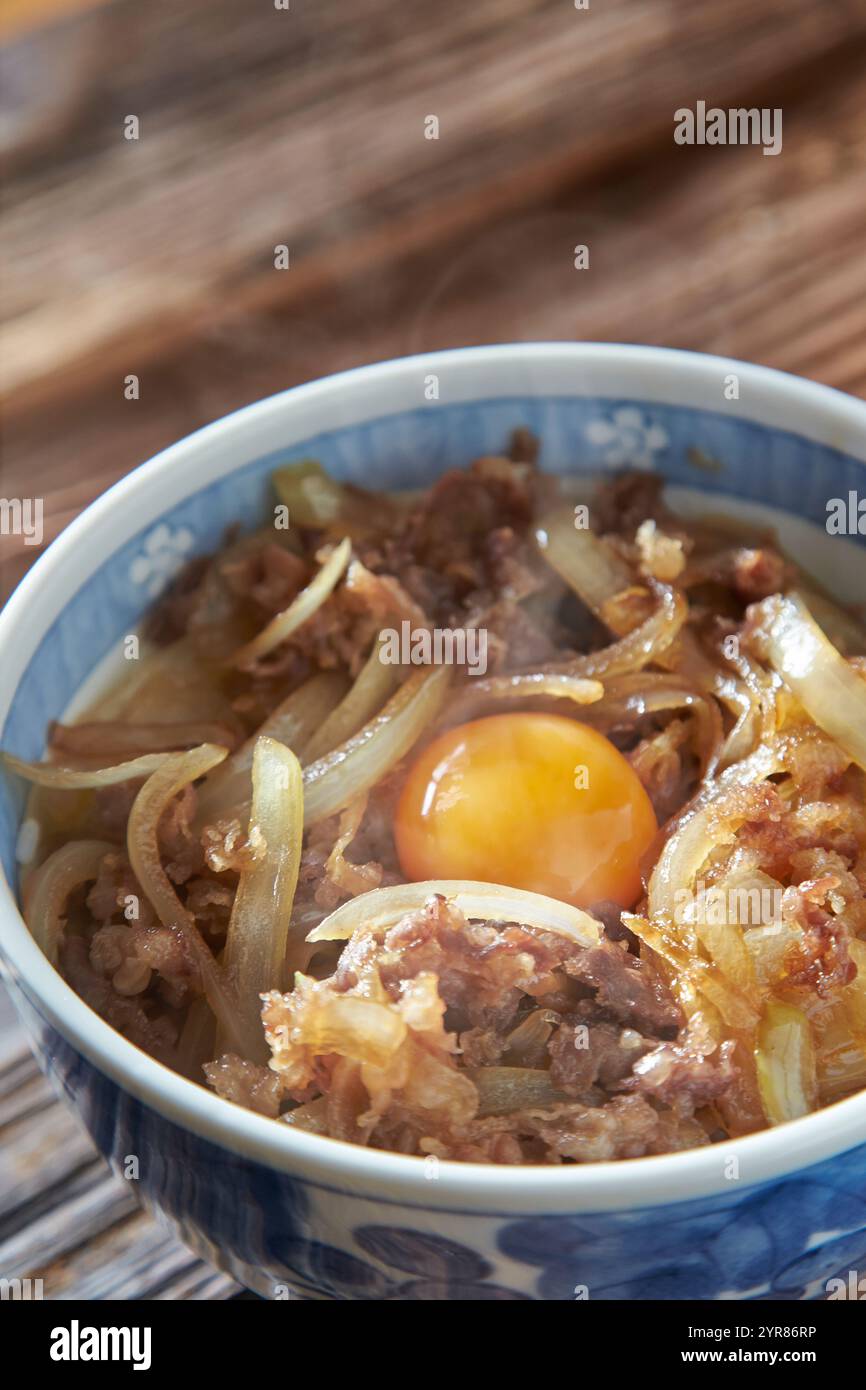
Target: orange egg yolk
[{"x": 533, "y": 801}]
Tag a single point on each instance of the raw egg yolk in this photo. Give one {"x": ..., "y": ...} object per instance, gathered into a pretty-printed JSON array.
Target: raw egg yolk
[{"x": 533, "y": 801}]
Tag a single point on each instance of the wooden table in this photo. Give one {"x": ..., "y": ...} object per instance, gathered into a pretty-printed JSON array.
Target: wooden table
[{"x": 306, "y": 128}]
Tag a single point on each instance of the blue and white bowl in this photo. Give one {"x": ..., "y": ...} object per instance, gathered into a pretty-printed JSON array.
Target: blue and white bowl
[{"x": 774, "y": 1215}]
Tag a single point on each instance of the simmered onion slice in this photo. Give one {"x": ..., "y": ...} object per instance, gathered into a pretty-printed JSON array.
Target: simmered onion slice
[
  {"x": 483, "y": 901},
  {"x": 356, "y": 765},
  {"x": 80, "y": 778},
  {"x": 67, "y": 869},
  {"x": 828, "y": 688},
  {"x": 308, "y": 601}
]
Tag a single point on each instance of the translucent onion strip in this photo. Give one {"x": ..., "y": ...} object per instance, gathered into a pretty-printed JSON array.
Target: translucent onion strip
[
  {"x": 587, "y": 563},
  {"x": 351, "y": 878},
  {"x": 197, "y": 1042},
  {"x": 627, "y": 699},
  {"x": 381, "y": 909},
  {"x": 687, "y": 662},
  {"x": 531, "y": 685},
  {"x": 743, "y": 736},
  {"x": 79, "y": 778},
  {"x": 255, "y": 950},
  {"x": 700, "y": 829},
  {"x": 641, "y": 646},
  {"x": 317, "y": 500},
  {"x": 236, "y": 1035},
  {"x": 830, "y": 691},
  {"x": 142, "y": 840},
  {"x": 786, "y": 1063},
  {"x": 738, "y": 1012},
  {"x": 295, "y": 720},
  {"x": 67, "y": 869},
  {"x": 335, "y": 780},
  {"x": 177, "y": 771},
  {"x": 312, "y": 497},
  {"x": 225, "y": 792},
  {"x": 854, "y": 994},
  {"x": 308, "y": 601},
  {"x": 375, "y": 683}
]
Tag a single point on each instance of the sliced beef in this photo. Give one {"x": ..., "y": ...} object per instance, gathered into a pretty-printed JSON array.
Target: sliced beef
[
  {"x": 626, "y": 989},
  {"x": 585, "y": 1054},
  {"x": 685, "y": 1074}
]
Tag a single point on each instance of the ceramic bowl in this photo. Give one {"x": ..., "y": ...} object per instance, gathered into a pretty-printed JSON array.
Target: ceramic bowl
[{"x": 292, "y": 1214}]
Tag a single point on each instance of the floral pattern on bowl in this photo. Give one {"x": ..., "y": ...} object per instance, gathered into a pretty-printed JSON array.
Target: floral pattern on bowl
[
  {"x": 162, "y": 556},
  {"x": 628, "y": 438}
]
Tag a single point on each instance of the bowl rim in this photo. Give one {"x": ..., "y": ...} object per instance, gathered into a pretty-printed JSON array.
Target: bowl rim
[{"x": 670, "y": 376}]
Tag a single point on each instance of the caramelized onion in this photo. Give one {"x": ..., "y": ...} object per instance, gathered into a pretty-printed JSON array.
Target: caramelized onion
[
  {"x": 197, "y": 1042},
  {"x": 527, "y": 1043},
  {"x": 588, "y": 564},
  {"x": 832, "y": 694},
  {"x": 302, "y": 608},
  {"x": 786, "y": 1063},
  {"x": 629, "y": 698},
  {"x": 529, "y": 685},
  {"x": 688, "y": 967},
  {"x": 78, "y": 778},
  {"x": 335, "y": 780},
  {"x": 626, "y": 699},
  {"x": 381, "y": 909},
  {"x": 743, "y": 737},
  {"x": 350, "y": 878},
  {"x": 142, "y": 841},
  {"x": 638, "y": 648},
  {"x": 255, "y": 950},
  {"x": 699, "y": 829},
  {"x": 687, "y": 661},
  {"x": 167, "y": 683},
  {"x": 854, "y": 994},
  {"x": 374, "y": 685},
  {"x": 74, "y": 864},
  {"x": 312, "y": 497},
  {"x": 218, "y": 992},
  {"x": 225, "y": 792},
  {"x": 176, "y": 771}
]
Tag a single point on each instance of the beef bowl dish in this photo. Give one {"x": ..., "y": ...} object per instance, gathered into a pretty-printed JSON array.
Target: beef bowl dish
[{"x": 441, "y": 838}]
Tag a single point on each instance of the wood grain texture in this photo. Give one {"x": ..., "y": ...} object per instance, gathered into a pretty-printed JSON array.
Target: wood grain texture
[{"x": 123, "y": 247}]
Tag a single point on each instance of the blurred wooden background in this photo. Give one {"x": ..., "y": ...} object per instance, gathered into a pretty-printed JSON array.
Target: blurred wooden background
[{"x": 305, "y": 127}]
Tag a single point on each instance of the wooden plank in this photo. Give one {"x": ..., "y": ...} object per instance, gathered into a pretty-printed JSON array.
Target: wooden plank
[
  {"x": 86, "y": 1205},
  {"x": 123, "y": 248},
  {"x": 132, "y": 1259},
  {"x": 39, "y": 1152}
]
